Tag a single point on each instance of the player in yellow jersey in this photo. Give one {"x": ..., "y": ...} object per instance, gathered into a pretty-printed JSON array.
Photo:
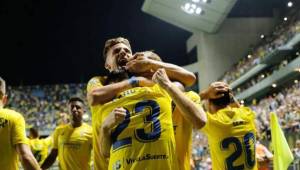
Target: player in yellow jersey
[
  {"x": 72, "y": 143},
  {"x": 184, "y": 123},
  {"x": 186, "y": 109},
  {"x": 39, "y": 147},
  {"x": 13, "y": 141},
  {"x": 117, "y": 53},
  {"x": 230, "y": 129}
]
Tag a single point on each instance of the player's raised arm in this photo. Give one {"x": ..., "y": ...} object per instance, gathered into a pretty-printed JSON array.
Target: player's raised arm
[
  {"x": 106, "y": 93},
  {"x": 143, "y": 62},
  {"x": 214, "y": 91},
  {"x": 189, "y": 109},
  {"x": 113, "y": 119}
]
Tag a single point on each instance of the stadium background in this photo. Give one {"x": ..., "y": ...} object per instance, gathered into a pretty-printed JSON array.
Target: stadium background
[{"x": 50, "y": 50}]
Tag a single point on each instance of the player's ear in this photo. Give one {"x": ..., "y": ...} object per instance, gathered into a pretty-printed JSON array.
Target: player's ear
[
  {"x": 4, "y": 100},
  {"x": 107, "y": 66}
]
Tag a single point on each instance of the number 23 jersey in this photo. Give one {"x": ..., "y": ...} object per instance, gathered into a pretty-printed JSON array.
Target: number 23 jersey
[
  {"x": 145, "y": 139},
  {"x": 231, "y": 136}
]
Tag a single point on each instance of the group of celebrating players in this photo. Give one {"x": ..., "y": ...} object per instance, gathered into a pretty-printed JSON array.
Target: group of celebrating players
[{"x": 142, "y": 118}]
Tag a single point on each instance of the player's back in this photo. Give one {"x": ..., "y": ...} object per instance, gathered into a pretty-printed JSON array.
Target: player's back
[
  {"x": 145, "y": 140},
  {"x": 39, "y": 148},
  {"x": 231, "y": 137},
  {"x": 9, "y": 136}
]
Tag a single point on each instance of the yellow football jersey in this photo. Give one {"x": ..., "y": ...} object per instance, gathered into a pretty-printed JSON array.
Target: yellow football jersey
[
  {"x": 12, "y": 132},
  {"x": 145, "y": 139},
  {"x": 231, "y": 137},
  {"x": 39, "y": 148},
  {"x": 183, "y": 133},
  {"x": 74, "y": 146},
  {"x": 100, "y": 163}
]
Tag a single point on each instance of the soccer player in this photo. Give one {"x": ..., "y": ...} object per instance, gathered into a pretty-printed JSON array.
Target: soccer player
[
  {"x": 72, "y": 143},
  {"x": 183, "y": 128},
  {"x": 39, "y": 147},
  {"x": 183, "y": 122},
  {"x": 13, "y": 141},
  {"x": 117, "y": 55},
  {"x": 187, "y": 113},
  {"x": 230, "y": 129}
]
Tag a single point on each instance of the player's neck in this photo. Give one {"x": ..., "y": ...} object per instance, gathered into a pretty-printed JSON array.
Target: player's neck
[
  {"x": 76, "y": 124},
  {"x": 215, "y": 109}
]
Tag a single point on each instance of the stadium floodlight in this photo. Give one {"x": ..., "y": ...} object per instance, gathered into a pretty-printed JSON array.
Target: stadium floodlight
[
  {"x": 262, "y": 36},
  {"x": 262, "y": 76},
  {"x": 192, "y": 8},
  {"x": 290, "y": 4},
  {"x": 274, "y": 85},
  {"x": 196, "y": 1},
  {"x": 285, "y": 18},
  {"x": 198, "y": 10},
  {"x": 249, "y": 56},
  {"x": 296, "y": 81}
]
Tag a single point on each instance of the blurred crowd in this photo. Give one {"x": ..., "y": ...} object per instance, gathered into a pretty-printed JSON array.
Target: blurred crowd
[
  {"x": 265, "y": 73},
  {"x": 42, "y": 106},
  {"x": 279, "y": 37},
  {"x": 286, "y": 104}
]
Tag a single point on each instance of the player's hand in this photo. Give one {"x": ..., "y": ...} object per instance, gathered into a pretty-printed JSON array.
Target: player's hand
[
  {"x": 215, "y": 90},
  {"x": 115, "y": 117},
  {"x": 139, "y": 63},
  {"x": 260, "y": 158},
  {"x": 144, "y": 82},
  {"x": 160, "y": 77}
]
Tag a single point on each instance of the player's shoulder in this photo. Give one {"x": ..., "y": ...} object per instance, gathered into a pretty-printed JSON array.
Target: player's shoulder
[
  {"x": 247, "y": 111},
  {"x": 61, "y": 128},
  {"x": 11, "y": 114},
  {"x": 96, "y": 81},
  {"x": 192, "y": 95},
  {"x": 87, "y": 126}
]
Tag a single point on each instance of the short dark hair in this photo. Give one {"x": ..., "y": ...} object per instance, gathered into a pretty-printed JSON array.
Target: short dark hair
[
  {"x": 34, "y": 132},
  {"x": 223, "y": 101},
  {"x": 75, "y": 99},
  {"x": 2, "y": 87},
  {"x": 111, "y": 42}
]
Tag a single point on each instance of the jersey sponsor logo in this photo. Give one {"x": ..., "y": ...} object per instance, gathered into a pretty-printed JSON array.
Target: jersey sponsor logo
[
  {"x": 147, "y": 157},
  {"x": 72, "y": 145},
  {"x": 3, "y": 122},
  {"x": 238, "y": 123}
]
